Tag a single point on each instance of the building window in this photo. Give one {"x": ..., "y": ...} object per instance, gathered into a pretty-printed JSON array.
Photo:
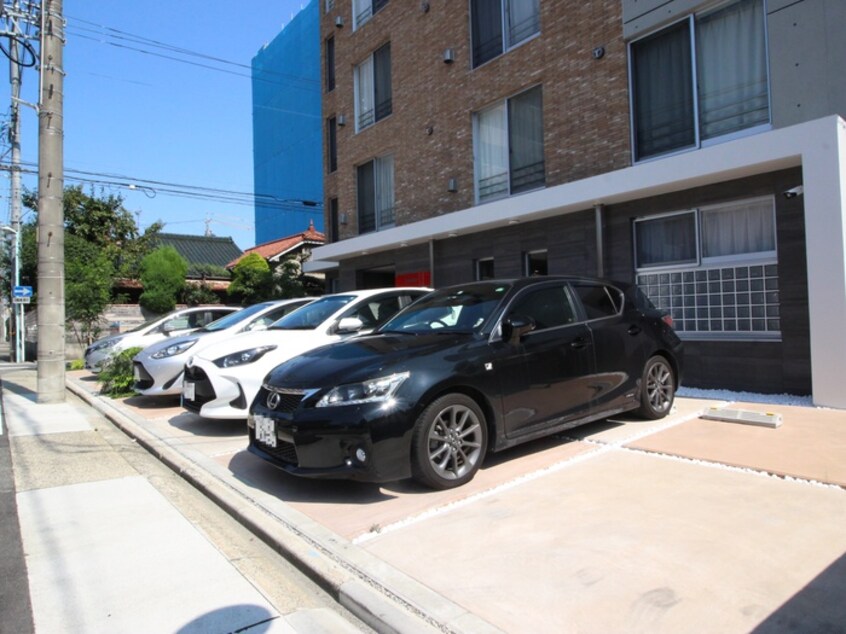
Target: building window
[
  {"x": 484, "y": 269},
  {"x": 328, "y": 5},
  {"x": 332, "y": 144},
  {"x": 702, "y": 78},
  {"x": 330, "y": 64},
  {"x": 373, "y": 88},
  {"x": 363, "y": 10},
  {"x": 509, "y": 147},
  {"x": 535, "y": 263},
  {"x": 376, "y": 194},
  {"x": 498, "y": 25},
  {"x": 714, "y": 269}
]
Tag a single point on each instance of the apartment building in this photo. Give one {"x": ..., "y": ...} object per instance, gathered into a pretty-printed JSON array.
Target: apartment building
[{"x": 696, "y": 148}]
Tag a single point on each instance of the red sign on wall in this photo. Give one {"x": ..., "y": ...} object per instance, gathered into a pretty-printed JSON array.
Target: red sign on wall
[{"x": 419, "y": 278}]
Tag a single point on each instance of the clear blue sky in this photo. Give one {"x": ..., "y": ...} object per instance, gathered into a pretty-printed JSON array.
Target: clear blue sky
[{"x": 140, "y": 115}]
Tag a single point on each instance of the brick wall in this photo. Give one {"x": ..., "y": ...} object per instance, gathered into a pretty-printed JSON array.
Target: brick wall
[{"x": 429, "y": 133}]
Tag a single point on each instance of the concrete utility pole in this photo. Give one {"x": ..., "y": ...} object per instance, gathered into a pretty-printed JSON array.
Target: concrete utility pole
[
  {"x": 51, "y": 226},
  {"x": 15, "y": 192}
]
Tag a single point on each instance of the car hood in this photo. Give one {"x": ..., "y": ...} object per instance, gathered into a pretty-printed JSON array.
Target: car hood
[
  {"x": 368, "y": 356},
  {"x": 288, "y": 339}
]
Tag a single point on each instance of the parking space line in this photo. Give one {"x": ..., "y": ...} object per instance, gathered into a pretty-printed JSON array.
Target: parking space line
[{"x": 601, "y": 449}]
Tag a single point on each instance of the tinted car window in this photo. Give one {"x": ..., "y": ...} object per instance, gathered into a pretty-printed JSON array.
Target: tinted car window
[
  {"x": 599, "y": 301},
  {"x": 547, "y": 307},
  {"x": 464, "y": 309}
]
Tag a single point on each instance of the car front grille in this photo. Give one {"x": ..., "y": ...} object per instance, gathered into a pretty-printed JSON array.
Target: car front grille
[
  {"x": 286, "y": 403},
  {"x": 283, "y": 452},
  {"x": 203, "y": 389},
  {"x": 145, "y": 381}
]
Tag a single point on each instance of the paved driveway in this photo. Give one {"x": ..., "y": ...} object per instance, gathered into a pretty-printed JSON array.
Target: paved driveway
[{"x": 675, "y": 525}]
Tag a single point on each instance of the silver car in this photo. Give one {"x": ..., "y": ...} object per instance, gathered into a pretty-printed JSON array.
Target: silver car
[
  {"x": 158, "y": 368},
  {"x": 174, "y": 324}
]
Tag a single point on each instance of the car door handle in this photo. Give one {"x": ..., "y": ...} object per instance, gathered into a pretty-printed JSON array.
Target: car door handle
[
  {"x": 580, "y": 343},
  {"x": 634, "y": 330}
]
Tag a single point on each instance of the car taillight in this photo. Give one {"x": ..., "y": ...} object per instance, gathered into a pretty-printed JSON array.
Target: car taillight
[{"x": 667, "y": 319}]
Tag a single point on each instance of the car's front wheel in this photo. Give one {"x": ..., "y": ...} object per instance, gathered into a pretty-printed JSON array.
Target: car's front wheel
[
  {"x": 658, "y": 388},
  {"x": 449, "y": 442}
]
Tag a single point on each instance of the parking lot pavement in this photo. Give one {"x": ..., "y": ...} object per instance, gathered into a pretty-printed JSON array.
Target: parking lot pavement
[{"x": 625, "y": 525}]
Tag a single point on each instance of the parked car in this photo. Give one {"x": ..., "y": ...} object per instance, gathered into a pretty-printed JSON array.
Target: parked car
[
  {"x": 178, "y": 322},
  {"x": 467, "y": 370},
  {"x": 158, "y": 368},
  {"x": 222, "y": 380}
]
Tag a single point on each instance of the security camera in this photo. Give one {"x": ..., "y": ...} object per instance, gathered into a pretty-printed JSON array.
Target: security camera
[{"x": 794, "y": 192}]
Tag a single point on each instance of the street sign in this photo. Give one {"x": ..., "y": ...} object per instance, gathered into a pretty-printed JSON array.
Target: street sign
[{"x": 21, "y": 294}]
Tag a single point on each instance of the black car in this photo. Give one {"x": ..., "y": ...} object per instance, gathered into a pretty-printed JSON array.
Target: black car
[{"x": 463, "y": 371}]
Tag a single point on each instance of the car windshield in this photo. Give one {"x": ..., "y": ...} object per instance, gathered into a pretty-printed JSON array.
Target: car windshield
[
  {"x": 233, "y": 318},
  {"x": 312, "y": 315},
  {"x": 464, "y": 309}
]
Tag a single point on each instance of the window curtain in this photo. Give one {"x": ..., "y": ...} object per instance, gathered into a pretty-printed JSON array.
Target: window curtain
[
  {"x": 492, "y": 148},
  {"x": 666, "y": 240},
  {"x": 525, "y": 128},
  {"x": 747, "y": 227},
  {"x": 382, "y": 81},
  {"x": 523, "y": 19},
  {"x": 384, "y": 192},
  {"x": 486, "y": 25},
  {"x": 366, "y": 195},
  {"x": 663, "y": 92},
  {"x": 732, "y": 69},
  {"x": 364, "y": 97},
  {"x": 362, "y": 10}
]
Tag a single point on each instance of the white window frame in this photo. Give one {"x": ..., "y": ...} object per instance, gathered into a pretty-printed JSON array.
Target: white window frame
[
  {"x": 698, "y": 141},
  {"x": 528, "y": 254},
  {"x": 721, "y": 265}
]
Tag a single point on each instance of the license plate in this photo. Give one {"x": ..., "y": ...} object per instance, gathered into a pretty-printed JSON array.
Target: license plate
[
  {"x": 136, "y": 373},
  {"x": 188, "y": 391},
  {"x": 265, "y": 430}
]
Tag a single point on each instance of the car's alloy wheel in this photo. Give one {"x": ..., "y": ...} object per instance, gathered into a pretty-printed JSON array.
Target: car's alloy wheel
[
  {"x": 658, "y": 388},
  {"x": 449, "y": 442}
]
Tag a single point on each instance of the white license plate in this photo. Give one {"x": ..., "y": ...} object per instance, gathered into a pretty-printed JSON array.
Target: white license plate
[
  {"x": 188, "y": 391},
  {"x": 265, "y": 430}
]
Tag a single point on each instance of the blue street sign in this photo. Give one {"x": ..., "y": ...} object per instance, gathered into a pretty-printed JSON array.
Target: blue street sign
[{"x": 22, "y": 291}]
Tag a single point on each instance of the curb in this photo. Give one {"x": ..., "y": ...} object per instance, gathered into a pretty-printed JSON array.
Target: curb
[{"x": 383, "y": 598}]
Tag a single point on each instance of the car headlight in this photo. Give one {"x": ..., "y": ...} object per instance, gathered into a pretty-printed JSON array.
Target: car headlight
[
  {"x": 170, "y": 351},
  {"x": 104, "y": 345},
  {"x": 243, "y": 357},
  {"x": 372, "y": 391}
]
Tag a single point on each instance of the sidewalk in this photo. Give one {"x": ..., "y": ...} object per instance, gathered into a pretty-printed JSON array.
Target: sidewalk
[{"x": 106, "y": 551}]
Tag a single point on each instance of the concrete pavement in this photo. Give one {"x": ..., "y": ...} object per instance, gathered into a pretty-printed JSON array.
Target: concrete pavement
[
  {"x": 101, "y": 548},
  {"x": 679, "y": 525}
]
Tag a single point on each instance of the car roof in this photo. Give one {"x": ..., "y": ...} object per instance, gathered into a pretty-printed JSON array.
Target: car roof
[{"x": 522, "y": 282}]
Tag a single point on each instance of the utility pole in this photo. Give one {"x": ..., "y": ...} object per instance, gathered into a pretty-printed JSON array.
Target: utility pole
[
  {"x": 15, "y": 191},
  {"x": 51, "y": 230}
]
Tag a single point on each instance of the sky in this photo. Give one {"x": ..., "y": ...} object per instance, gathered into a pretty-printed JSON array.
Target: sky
[{"x": 138, "y": 113}]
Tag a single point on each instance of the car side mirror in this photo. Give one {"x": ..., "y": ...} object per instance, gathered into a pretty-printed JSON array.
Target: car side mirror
[
  {"x": 515, "y": 327},
  {"x": 349, "y": 325}
]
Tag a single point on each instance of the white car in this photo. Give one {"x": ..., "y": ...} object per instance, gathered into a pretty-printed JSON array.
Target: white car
[
  {"x": 158, "y": 368},
  {"x": 178, "y": 322},
  {"x": 222, "y": 380}
]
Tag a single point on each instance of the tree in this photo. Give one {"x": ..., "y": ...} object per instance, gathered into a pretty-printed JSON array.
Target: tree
[
  {"x": 88, "y": 286},
  {"x": 163, "y": 277},
  {"x": 252, "y": 280}
]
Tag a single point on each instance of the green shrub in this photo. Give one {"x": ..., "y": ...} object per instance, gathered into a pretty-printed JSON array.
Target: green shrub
[
  {"x": 76, "y": 364},
  {"x": 116, "y": 377}
]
